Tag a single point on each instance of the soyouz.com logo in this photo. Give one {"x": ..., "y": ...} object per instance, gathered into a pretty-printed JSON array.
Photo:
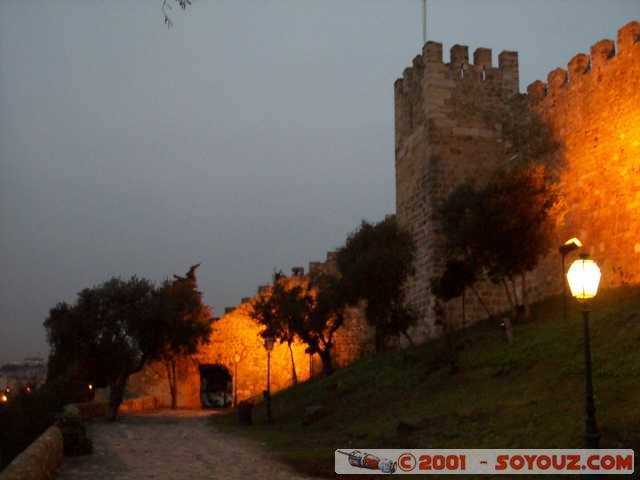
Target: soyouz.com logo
[{"x": 478, "y": 461}]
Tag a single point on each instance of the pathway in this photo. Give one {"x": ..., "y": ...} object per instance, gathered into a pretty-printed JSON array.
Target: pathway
[{"x": 170, "y": 445}]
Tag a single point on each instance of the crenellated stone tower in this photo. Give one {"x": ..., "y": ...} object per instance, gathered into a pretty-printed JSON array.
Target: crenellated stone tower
[
  {"x": 593, "y": 109},
  {"x": 440, "y": 141}
]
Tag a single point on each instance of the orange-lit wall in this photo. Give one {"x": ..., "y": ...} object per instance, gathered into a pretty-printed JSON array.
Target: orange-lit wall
[
  {"x": 594, "y": 109},
  {"x": 236, "y": 332}
]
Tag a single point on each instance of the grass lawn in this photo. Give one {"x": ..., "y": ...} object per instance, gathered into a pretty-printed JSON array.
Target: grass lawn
[{"x": 527, "y": 395}]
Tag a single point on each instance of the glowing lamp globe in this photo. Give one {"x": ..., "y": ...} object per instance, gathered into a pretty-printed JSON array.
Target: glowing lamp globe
[{"x": 584, "y": 277}]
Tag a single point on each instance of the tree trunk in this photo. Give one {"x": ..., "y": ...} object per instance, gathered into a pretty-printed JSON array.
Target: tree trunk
[
  {"x": 327, "y": 363},
  {"x": 172, "y": 380},
  {"x": 380, "y": 339},
  {"x": 408, "y": 337},
  {"x": 518, "y": 310},
  {"x": 116, "y": 395},
  {"x": 484, "y": 305},
  {"x": 525, "y": 297},
  {"x": 294, "y": 375},
  {"x": 508, "y": 326},
  {"x": 464, "y": 320}
]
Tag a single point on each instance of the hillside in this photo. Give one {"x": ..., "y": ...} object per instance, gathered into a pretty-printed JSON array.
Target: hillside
[{"x": 530, "y": 394}]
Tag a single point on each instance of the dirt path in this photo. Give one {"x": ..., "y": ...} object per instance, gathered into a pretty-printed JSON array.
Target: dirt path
[{"x": 171, "y": 445}]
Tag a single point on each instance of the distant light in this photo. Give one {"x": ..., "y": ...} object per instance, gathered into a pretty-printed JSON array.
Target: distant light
[
  {"x": 4, "y": 398},
  {"x": 236, "y": 358},
  {"x": 28, "y": 389},
  {"x": 91, "y": 386},
  {"x": 584, "y": 277}
]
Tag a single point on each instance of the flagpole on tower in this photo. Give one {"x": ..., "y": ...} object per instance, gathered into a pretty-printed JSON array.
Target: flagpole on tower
[{"x": 424, "y": 21}]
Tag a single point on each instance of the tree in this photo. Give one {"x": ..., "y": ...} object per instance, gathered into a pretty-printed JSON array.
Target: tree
[
  {"x": 453, "y": 283},
  {"x": 503, "y": 229},
  {"x": 281, "y": 312},
  {"x": 374, "y": 264},
  {"x": 69, "y": 354},
  {"x": 166, "y": 8},
  {"x": 324, "y": 306},
  {"x": 123, "y": 336},
  {"x": 186, "y": 324},
  {"x": 120, "y": 326}
]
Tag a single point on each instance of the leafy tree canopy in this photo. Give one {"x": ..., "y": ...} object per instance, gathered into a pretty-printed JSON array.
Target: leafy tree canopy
[
  {"x": 499, "y": 231},
  {"x": 374, "y": 264},
  {"x": 116, "y": 327}
]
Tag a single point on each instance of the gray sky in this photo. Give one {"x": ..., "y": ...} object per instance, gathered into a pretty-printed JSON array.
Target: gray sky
[{"x": 252, "y": 135}]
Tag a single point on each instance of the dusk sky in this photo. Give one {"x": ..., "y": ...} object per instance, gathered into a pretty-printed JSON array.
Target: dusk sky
[{"x": 252, "y": 135}]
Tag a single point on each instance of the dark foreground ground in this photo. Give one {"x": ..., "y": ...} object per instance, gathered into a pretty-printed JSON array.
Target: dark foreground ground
[{"x": 171, "y": 445}]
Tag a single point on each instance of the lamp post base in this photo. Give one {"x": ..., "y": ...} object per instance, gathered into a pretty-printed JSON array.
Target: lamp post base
[
  {"x": 592, "y": 440},
  {"x": 592, "y": 436}
]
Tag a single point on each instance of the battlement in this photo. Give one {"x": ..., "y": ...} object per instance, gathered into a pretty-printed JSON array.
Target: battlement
[
  {"x": 427, "y": 87},
  {"x": 584, "y": 68},
  {"x": 330, "y": 263},
  {"x": 431, "y": 62}
]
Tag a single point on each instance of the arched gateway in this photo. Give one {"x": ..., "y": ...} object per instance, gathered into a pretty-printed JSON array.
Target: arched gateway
[{"x": 216, "y": 386}]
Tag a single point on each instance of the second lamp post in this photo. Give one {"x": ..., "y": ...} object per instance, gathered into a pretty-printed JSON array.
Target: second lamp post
[
  {"x": 584, "y": 278},
  {"x": 268, "y": 346}
]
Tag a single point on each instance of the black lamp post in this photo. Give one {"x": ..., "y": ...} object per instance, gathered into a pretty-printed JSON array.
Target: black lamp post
[
  {"x": 565, "y": 249},
  {"x": 268, "y": 346},
  {"x": 584, "y": 278}
]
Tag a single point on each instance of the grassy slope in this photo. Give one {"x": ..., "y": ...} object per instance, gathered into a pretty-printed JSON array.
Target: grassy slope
[{"x": 529, "y": 394}]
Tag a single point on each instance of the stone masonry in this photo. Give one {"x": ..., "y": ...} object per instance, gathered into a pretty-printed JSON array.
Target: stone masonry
[
  {"x": 237, "y": 333},
  {"x": 594, "y": 108},
  {"x": 438, "y": 145},
  {"x": 594, "y": 111}
]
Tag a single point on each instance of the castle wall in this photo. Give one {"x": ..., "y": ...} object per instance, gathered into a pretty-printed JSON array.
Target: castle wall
[
  {"x": 441, "y": 141},
  {"x": 237, "y": 333},
  {"x": 594, "y": 109}
]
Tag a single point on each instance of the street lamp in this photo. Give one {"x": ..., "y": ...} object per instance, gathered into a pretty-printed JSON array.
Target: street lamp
[
  {"x": 236, "y": 361},
  {"x": 268, "y": 346},
  {"x": 565, "y": 249},
  {"x": 584, "y": 277}
]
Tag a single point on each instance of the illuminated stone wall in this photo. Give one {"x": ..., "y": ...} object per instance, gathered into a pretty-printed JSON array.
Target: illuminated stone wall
[
  {"x": 441, "y": 141},
  {"x": 236, "y": 332},
  {"x": 594, "y": 108}
]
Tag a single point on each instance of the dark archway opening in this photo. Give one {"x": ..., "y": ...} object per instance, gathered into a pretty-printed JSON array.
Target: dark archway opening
[{"x": 216, "y": 386}]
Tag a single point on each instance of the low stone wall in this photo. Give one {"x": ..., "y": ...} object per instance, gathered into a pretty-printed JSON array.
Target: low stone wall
[
  {"x": 97, "y": 409},
  {"x": 139, "y": 404},
  {"x": 40, "y": 460}
]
